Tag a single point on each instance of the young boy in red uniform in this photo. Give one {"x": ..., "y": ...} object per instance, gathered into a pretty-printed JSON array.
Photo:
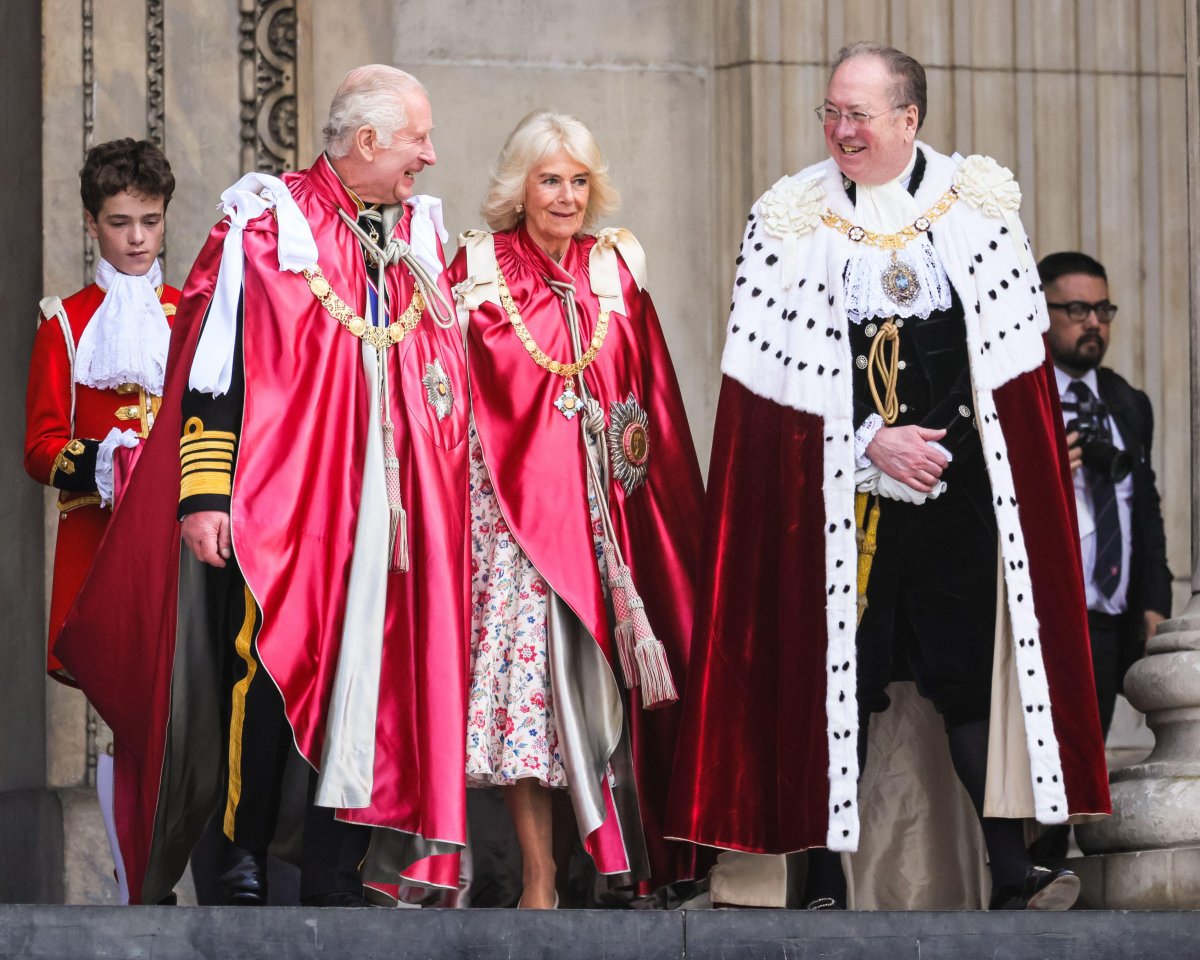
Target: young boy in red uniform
[{"x": 96, "y": 375}]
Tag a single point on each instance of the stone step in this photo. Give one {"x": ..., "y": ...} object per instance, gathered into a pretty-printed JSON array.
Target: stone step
[{"x": 297, "y": 933}]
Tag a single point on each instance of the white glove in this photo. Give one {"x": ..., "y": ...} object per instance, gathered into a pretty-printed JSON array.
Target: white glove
[{"x": 104, "y": 458}]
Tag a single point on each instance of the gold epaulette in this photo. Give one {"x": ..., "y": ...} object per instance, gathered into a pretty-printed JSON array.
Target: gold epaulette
[{"x": 206, "y": 460}]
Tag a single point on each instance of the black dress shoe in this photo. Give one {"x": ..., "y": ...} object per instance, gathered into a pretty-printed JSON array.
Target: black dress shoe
[
  {"x": 1041, "y": 889},
  {"x": 244, "y": 882},
  {"x": 339, "y": 898}
]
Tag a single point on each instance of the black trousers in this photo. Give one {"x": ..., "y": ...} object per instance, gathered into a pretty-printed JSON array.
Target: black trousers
[
  {"x": 260, "y": 744},
  {"x": 931, "y": 600},
  {"x": 1104, "y": 630}
]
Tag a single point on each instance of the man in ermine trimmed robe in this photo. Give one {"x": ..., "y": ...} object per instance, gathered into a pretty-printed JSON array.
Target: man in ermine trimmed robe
[
  {"x": 315, "y": 590},
  {"x": 888, "y": 497}
]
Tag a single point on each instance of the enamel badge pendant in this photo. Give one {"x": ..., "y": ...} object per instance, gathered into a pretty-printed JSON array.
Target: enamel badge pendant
[
  {"x": 569, "y": 402},
  {"x": 900, "y": 282},
  {"x": 629, "y": 443},
  {"x": 437, "y": 389}
]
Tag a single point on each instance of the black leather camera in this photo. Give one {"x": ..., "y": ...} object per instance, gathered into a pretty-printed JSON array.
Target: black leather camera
[{"x": 1099, "y": 452}]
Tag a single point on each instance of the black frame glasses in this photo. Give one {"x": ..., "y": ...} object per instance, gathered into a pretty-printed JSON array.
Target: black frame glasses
[{"x": 1077, "y": 310}]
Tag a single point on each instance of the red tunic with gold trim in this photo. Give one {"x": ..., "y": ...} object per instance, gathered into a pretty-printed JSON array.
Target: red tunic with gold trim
[
  {"x": 52, "y": 457},
  {"x": 535, "y": 458},
  {"x": 296, "y": 500}
]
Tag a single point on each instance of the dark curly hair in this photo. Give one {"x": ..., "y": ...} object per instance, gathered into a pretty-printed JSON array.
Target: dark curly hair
[{"x": 125, "y": 164}]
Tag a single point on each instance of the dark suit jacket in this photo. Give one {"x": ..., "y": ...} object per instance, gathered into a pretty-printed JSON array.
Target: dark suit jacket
[{"x": 1149, "y": 576}]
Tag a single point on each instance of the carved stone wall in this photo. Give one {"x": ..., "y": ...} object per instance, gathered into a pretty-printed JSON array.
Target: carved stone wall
[{"x": 268, "y": 73}]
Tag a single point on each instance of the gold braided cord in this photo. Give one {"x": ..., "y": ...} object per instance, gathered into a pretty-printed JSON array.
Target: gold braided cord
[
  {"x": 888, "y": 369},
  {"x": 867, "y": 535},
  {"x": 378, "y": 337},
  {"x": 892, "y": 241},
  {"x": 539, "y": 357}
]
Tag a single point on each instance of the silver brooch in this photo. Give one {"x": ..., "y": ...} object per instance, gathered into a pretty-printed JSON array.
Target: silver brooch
[
  {"x": 438, "y": 389},
  {"x": 629, "y": 443},
  {"x": 900, "y": 282}
]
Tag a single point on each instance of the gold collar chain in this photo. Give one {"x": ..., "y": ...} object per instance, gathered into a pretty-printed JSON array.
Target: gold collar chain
[
  {"x": 378, "y": 337},
  {"x": 892, "y": 241},
  {"x": 539, "y": 356}
]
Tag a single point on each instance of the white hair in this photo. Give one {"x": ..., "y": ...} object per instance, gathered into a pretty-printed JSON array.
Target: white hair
[
  {"x": 539, "y": 135},
  {"x": 375, "y": 96}
]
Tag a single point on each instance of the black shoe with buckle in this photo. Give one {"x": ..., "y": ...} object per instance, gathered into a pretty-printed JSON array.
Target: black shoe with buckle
[
  {"x": 1041, "y": 889},
  {"x": 244, "y": 882}
]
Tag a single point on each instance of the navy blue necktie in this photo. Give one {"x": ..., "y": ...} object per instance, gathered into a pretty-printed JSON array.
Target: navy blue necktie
[{"x": 1106, "y": 569}]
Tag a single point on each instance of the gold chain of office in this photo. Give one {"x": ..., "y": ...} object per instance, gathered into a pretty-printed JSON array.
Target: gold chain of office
[
  {"x": 902, "y": 237},
  {"x": 540, "y": 357},
  {"x": 378, "y": 337}
]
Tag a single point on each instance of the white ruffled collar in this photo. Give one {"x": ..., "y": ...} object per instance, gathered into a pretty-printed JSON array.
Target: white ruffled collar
[{"x": 127, "y": 338}]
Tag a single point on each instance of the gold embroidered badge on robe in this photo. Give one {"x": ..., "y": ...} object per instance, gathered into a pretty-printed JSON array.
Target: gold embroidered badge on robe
[
  {"x": 438, "y": 389},
  {"x": 629, "y": 443}
]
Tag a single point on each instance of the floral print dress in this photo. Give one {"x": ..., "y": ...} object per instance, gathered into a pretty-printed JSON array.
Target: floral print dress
[{"x": 511, "y": 733}]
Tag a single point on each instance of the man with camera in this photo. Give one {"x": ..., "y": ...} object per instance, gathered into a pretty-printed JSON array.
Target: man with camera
[{"x": 1110, "y": 426}]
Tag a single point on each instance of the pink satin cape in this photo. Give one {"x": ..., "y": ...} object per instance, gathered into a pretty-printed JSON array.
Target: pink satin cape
[
  {"x": 293, "y": 514},
  {"x": 536, "y": 460},
  {"x": 751, "y": 773}
]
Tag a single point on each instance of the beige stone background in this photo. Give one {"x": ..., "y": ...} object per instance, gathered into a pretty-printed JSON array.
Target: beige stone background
[{"x": 700, "y": 105}]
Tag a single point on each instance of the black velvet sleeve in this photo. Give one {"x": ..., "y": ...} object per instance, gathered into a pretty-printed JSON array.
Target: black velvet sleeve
[{"x": 208, "y": 446}]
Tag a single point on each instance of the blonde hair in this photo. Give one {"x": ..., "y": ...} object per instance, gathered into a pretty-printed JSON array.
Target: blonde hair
[
  {"x": 539, "y": 135},
  {"x": 375, "y": 95}
]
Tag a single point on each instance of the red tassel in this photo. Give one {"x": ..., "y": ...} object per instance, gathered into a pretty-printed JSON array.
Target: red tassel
[
  {"x": 643, "y": 657},
  {"x": 618, "y": 580},
  {"x": 398, "y": 556},
  {"x": 658, "y": 689}
]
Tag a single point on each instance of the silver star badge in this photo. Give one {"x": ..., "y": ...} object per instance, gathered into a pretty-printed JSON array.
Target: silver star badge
[{"x": 438, "y": 389}]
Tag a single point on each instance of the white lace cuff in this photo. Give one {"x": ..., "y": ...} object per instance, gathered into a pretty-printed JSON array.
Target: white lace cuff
[
  {"x": 863, "y": 437},
  {"x": 104, "y": 461}
]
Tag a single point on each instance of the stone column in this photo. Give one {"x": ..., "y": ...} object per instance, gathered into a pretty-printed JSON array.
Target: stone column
[
  {"x": 1151, "y": 845},
  {"x": 30, "y": 815}
]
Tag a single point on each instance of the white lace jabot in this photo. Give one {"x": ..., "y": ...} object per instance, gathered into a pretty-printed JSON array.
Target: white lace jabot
[
  {"x": 127, "y": 338},
  {"x": 886, "y": 208}
]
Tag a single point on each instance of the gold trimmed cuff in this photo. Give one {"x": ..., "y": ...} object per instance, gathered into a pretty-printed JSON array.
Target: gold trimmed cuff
[
  {"x": 64, "y": 461},
  {"x": 206, "y": 460}
]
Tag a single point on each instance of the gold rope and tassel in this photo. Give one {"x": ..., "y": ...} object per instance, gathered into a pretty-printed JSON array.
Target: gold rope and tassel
[
  {"x": 885, "y": 363},
  {"x": 866, "y": 533}
]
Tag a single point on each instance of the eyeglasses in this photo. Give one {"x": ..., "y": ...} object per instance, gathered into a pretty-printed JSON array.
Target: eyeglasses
[
  {"x": 830, "y": 116},
  {"x": 1077, "y": 310}
]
